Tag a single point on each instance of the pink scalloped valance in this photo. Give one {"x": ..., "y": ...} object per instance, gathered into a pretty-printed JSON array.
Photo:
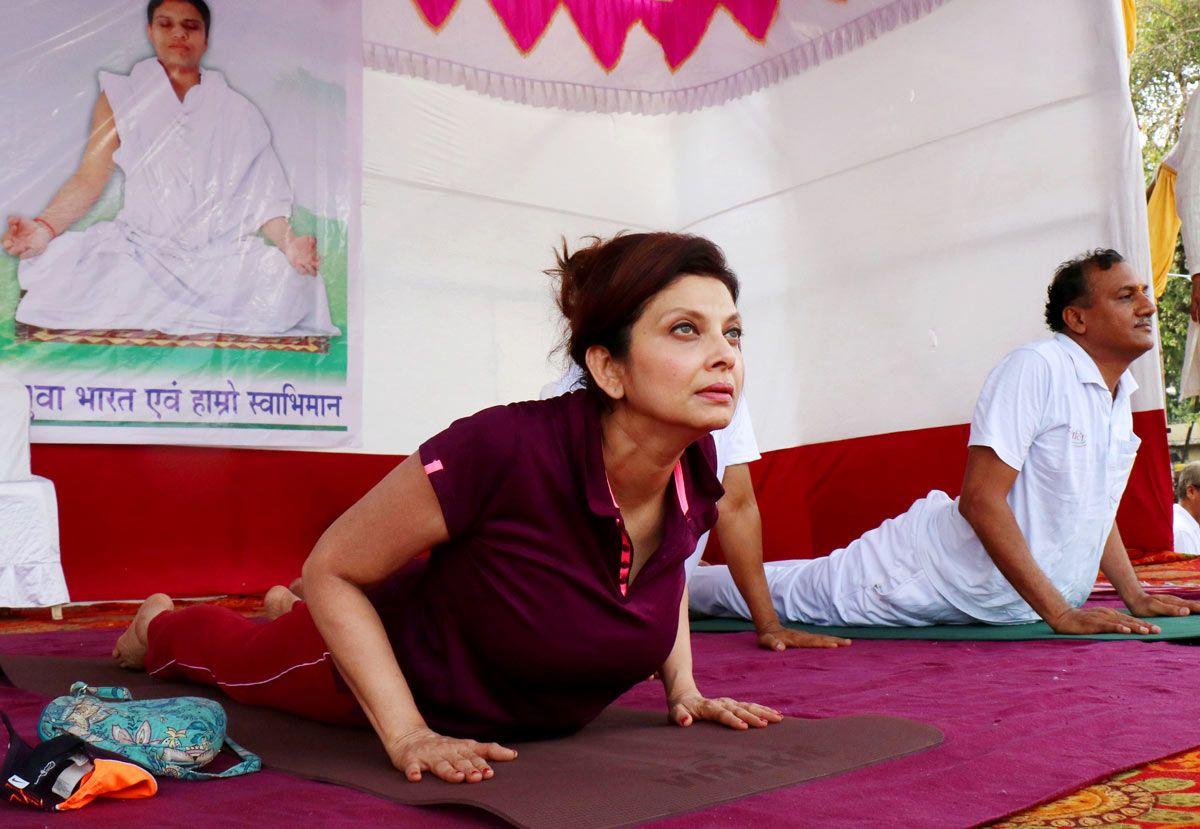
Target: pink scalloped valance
[
  {"x": 642, "y": 56},
  {"x": 677, "y": 25}
]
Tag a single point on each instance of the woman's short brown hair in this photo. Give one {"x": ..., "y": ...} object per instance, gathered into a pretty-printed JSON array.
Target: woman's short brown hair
[{"x": 604, "y": 287}]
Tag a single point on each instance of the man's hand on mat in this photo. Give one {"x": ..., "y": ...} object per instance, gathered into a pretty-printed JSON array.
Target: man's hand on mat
[
  {"x": 687, "y": 708},
  {"x": 455, "y": 761},
  {"x": 1162, "y": 605},
  {"x": 775, "y": 637},
  {"x": 1083, "y": 620}
]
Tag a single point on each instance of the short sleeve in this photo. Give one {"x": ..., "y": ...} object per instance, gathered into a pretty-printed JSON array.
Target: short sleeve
[
  {"x": 469, "y": 463},
  {"x": 736, "y": 443},
  {"x": 1011, "y": 407},
  {"x": 118, "y": 89},
  {"x": 265, "y": 192}
]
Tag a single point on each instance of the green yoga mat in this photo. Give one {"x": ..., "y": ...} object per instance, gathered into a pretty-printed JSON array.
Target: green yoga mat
[{"x": 1173, "y": 627}]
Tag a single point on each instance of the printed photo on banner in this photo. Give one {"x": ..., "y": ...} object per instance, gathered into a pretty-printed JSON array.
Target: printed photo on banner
[{"x": 181, "y": 204}]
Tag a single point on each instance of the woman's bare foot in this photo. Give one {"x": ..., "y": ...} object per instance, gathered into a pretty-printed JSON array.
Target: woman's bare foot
[
  {"x": 278, "y": 601},
  {"x": 130, "y": 650}
]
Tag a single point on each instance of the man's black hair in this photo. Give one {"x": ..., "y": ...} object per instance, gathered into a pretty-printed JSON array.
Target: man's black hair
[
  {"x": 199, "y": 5},
  {"x": 1070, "y": 283}
]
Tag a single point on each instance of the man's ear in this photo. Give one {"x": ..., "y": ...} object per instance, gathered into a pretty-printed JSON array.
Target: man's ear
[
  {"x": 606, "y": 371},
  {"x": 1074, "y": 318}
]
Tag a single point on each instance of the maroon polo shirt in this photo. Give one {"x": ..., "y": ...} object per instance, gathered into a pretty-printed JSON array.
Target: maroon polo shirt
[{"x": 523, "y": 623}]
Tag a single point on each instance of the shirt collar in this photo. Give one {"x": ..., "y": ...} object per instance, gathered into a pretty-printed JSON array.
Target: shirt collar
[
  {"x": 595, "y": 478},
  {"x": 1088, "y": 372},
  {"x": 702, "y": 488},
  {"x": 150, "y": 71}
]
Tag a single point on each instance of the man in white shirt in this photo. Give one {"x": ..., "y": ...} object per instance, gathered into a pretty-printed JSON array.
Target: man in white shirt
[
  {"x": 1050, "y": 452},
  {"x": 739, "y": 526},
  {"x": 1187, "y": 509}
]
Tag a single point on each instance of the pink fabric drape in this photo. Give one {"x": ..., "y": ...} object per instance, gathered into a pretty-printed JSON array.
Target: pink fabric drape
[{"x": 678, "y": 26}]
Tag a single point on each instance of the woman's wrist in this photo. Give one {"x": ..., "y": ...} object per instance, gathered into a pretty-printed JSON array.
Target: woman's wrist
[
  {"x": 402, "y": 731},
  {"x": 679, "y": 690}
]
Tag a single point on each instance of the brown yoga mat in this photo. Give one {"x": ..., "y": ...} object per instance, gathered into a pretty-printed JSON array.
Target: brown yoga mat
[{"x": 628, "y": 766}]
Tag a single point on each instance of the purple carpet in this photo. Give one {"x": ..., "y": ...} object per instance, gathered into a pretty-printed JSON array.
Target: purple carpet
[{"x": 1024, "y": 723}]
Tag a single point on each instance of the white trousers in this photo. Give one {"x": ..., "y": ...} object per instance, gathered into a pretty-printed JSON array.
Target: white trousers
[{"x": 876, "y": 580}]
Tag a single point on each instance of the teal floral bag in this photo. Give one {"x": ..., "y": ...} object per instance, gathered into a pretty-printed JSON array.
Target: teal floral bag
[{"x": 170, "y": 737}]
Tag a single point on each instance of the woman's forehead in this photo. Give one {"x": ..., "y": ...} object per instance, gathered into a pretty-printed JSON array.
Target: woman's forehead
[{"x": 696, "y": 293}]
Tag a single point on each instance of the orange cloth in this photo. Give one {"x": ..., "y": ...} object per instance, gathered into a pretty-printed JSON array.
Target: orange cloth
[
  {"x": 1164, "y": 226},
  {"x": 111, "y": 778},
  {"x": 1129, "y": 10}
]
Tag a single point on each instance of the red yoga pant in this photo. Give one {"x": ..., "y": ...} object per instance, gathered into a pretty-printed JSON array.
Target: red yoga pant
[{"x": 283, "y": 664}]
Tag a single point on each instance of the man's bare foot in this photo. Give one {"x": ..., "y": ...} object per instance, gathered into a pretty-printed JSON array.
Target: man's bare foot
[
  {"x": 278, "y": 601},
  {"x": 297, "y": 587},
  {"x": 130, "y": 650}
]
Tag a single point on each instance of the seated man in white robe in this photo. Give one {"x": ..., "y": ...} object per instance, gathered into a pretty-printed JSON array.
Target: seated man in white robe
[
  {"x": 184, "y": 255},
  {"x": 1051, "y": 448},
  {"x": 1186, "y": 511}
]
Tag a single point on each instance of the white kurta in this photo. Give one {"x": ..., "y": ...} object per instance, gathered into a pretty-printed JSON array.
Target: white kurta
[
  {"x": 1047, "y": 413},
  {"x": 183, "y": 255},
  {"x": 1187, "y": 531}
]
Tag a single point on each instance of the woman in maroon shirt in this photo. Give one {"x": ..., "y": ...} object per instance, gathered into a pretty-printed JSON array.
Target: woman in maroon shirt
[{"x": 558, "y": 530}]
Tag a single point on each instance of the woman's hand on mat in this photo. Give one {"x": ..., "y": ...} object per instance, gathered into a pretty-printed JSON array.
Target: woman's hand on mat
[
  {"x": 453, "y": 760},
  {"x": 692, "y": 706},
  {"x": 1163, "y": 605},
  {"x": 1084, "y": 620},
  {"x": 775, "y": 637}
]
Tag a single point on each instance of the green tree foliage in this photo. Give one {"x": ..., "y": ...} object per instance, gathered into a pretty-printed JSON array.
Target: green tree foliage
[{"x": 1164, "y": 71}]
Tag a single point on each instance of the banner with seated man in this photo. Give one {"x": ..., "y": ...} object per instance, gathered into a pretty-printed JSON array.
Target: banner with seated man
[{"x": 182, "y": 193}]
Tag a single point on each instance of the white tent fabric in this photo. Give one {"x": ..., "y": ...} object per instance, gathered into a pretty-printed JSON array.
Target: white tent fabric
[
  {"x": 565, "y": 57},
  {"x": 1184, "y": 158},
  {"x": 14, "y": 429},
  {"x": 31, "y": 573},
  {"x": 895, "y": 215}
]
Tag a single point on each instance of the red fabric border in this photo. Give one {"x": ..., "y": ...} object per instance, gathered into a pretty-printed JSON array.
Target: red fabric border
[{"x": 194, "y": 521}]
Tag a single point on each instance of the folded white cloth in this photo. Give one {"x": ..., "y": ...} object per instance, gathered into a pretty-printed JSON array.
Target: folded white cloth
[
  {"x": 14, "y": 430},
  {"x": 31, "y": 573}
]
